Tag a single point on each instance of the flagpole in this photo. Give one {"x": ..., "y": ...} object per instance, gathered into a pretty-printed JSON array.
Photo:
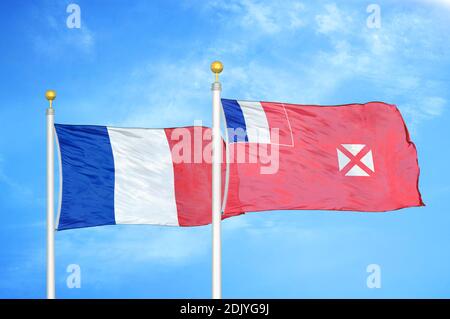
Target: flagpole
[
  {"x": 50, "y": 95},
  {"x": 216, "y": 68}
]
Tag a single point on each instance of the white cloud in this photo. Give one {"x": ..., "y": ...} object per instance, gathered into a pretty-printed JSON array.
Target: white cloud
[
  {"x": 271, "y": 227},
  {"x": 332, "y": 20},
  {"x": 165, "y": 93},
  {"x": 16, "y": 189},
  {"x": 134, "y": 244},
  {"x": 266, "y": 17},
  {"x": 434, "y": 106},
  {"x": 58, "y": 41},
  {"x": 444, "y": 3},
  {"x": 54, "y": 38},
  {"x": 389, "y": 60},
  {"x": 424, "y": 108},
  {"x": 174, "y": 246}
]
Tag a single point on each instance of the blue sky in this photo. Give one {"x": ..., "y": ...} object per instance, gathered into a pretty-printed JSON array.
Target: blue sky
[{"x": 146, "y": 63}]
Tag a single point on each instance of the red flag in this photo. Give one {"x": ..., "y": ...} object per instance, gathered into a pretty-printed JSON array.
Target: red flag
[{"x": 356, "y": 157}]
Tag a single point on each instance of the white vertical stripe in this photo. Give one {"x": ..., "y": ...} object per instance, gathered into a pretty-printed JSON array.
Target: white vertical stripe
[
  {"x": 256, "y": 122},
  {"x": 144, "y": 191}
]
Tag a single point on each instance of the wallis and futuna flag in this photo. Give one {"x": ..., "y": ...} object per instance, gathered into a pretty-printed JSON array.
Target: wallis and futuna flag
[
  {"x": 356, "y": 157},
  {"x": 134, "y": 176}
]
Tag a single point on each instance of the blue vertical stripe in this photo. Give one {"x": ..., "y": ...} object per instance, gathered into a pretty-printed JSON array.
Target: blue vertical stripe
[
  {"x": 87, "y": 176},
  {"x": 235, "y": 120}
]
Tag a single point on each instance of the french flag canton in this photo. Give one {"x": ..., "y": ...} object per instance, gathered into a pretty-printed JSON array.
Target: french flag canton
[
  {"x": 116, "y": 175},
  {"x": 257, "y": 122}
]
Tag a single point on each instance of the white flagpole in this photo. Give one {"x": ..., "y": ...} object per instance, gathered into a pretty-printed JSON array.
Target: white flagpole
[
  {"x": 216, "y": 68},
  {"x": 50, "y": 95}
]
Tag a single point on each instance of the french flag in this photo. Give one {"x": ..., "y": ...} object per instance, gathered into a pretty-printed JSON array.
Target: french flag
[
  {"x": 115, "y": 175},
  {"x": 254, "y": 122}
]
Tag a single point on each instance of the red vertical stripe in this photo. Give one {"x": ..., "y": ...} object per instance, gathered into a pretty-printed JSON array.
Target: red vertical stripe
[
  {"x": 278, "y": 119},
  {"x": 193, "y": 176}
]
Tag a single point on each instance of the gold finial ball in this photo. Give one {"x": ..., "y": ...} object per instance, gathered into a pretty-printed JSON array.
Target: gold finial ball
[
  {"x": 216, "y": 67},
  {"x": 50, "y": 95}
]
